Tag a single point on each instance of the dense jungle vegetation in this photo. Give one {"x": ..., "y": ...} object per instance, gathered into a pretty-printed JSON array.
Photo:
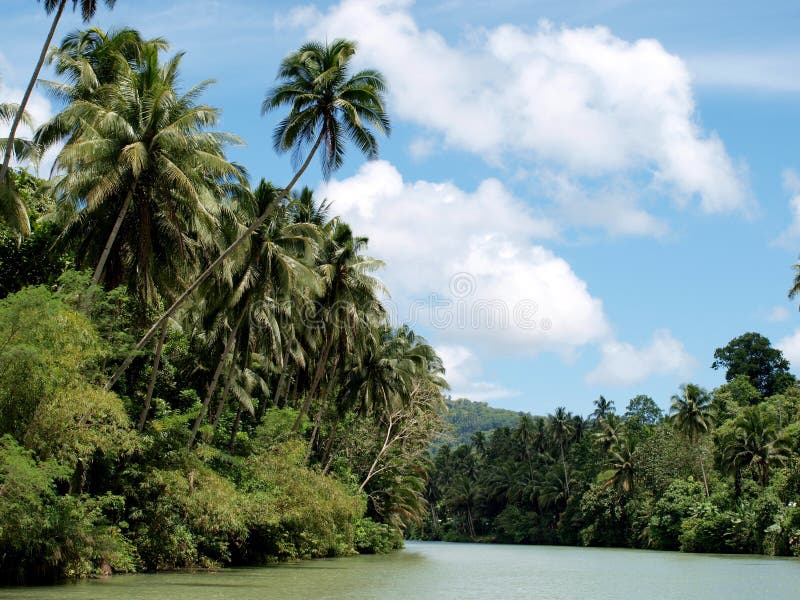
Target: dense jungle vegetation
[
  {"x": 719, "y": 473},
  {"x": 195, "y": 371},
  {"x": 196, "y": 368}
]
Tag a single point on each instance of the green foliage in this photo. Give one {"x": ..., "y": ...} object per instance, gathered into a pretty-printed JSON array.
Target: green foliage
[
  {"x": 466, "y": 417},
  {"x": 681, "y": 500},
  {"x": 376, "y": 538},
  {"x": 751, "y": 354}
]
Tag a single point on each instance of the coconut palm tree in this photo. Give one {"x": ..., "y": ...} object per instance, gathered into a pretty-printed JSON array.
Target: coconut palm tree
[
  {"x": 349, "y": 300},
  {"x": 328, "y": 106},
  {"x": 143, "y": 176},
  {"x": 621, "y": 464},
  {"x": 88, "y": 9},
  {"x": 756, "y": 442},
  {"x": 602, "y": 409},
  {"x": 275, "y": 266},
  {"x": 562, "y": 430},
  {"x": 691, "y": 416}
]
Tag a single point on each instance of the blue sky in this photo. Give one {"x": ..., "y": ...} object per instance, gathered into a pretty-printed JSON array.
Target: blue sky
[{"x": 596, "y": 194}]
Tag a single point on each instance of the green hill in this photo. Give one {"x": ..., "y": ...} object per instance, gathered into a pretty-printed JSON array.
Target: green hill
[{"x": 465, "y": 417}]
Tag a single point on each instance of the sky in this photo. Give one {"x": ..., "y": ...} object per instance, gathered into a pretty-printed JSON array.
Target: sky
[{"x": 577, "y": 198}]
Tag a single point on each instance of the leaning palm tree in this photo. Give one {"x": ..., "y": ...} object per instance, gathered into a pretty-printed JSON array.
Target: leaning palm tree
[
  {"x": 328, "y": 106},
  {"x": 692, "y": 418},
  {"x": 88, "y": 9},
  {"x": 142, "y": 177}
]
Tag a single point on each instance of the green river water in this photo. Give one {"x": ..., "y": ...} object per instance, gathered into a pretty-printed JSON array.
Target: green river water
[{"x": 440, "y": 570}]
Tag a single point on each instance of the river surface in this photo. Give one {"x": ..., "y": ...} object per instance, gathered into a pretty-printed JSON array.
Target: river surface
[{"x": 440, "y": 570}]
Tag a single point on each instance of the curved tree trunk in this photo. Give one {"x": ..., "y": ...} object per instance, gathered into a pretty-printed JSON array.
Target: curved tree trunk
[
  {"x": 153, "y": 373},
  {"x": 112, "y": 237},
  {"x": 225, "y": 390},
  {"x": 323, "y": 360},
  {"x": 322, "y": 403},
  {"x": 29, "y": 90},
  {"x": 212, "y": 385},
  {"x": 327, "y": 457},
  {"x": 217, "y": 261},
  {"x": 703, "y": 470},
  {"x": 235, "y": 429}
]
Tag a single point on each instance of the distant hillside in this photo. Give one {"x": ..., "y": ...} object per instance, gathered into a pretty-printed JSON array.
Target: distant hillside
[{"x": 466, "y": 417}]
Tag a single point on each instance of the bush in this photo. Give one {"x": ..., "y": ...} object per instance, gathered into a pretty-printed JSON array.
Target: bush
[{"x": 376, "y": 538}]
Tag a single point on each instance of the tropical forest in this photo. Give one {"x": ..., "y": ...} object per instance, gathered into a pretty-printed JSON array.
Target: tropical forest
[{"x": 203, "y": 366}]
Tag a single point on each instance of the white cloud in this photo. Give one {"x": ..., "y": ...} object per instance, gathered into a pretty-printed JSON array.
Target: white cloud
[
  {"x": 790, "y": 237},
  {"x": 623, "y": 364},
  {"x": 581, "y": 100},
  {"x": 468, "y": 263},
  {"x": 790, "y": 346},
  {"x": 463, "y": 372},
  {"x": 777, "y": 314}
]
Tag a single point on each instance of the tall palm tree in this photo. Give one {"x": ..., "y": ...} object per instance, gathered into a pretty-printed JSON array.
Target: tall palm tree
[
  {"x": 142, "y": 176},
  {"x": 692, "y": 418},
  {"x": 603, "y": 408},
  {"x": 276, "y": 264},
  {"x": 562, "y": 430},
  {"x": 328, "y": 107},
  {"x": 88, "y": 9},
  {"x": 349, "y": 300}
]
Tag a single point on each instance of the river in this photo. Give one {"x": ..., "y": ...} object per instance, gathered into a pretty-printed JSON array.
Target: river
[{"x": 440, "y": 570}]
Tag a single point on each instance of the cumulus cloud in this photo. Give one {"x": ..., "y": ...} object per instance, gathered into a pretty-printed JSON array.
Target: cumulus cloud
[
  {"x": 790, "y": 236},
  {"x": 581, "y": 100},
  {"x": 790, "y": 346},
  {"x": 623, "y": 364},
  {"x": 469, "y": 264},
  {"x": 463, "y": 371}
]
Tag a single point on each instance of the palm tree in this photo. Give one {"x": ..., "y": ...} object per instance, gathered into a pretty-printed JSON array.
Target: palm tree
[
  {"x": 562, "y": 430},
  {"x": 275, "y": 265},
  {"x": 142, "y": 176},
  {"x": 691, "y": 416},
  {"x": 756, "y": 442},
  {"x": 621, "y": 464},
  {"x": 603, "y": 408},
  {"x": 328, "y": 107},
  {"x": 349, "y": 298},
  {"x": 88, "y": 10}
]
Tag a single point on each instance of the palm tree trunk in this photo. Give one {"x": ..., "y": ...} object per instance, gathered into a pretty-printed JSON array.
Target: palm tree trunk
[
  {"x": 212, "y": 385},
  {"x": 225, "y": 390},
  {"x": 323, "y": 401},
  {"x": 566, "y": 475},
  {"x": 235, "y": 429},
  {"x": 210, "y": 269},
  {"x": 263, "y": 404},
  {"x": 29, "y": 90},
  {"x": 101, "y": 264},
  {"x": 327, "y": 457},
  {"x": 703, "y": 470},
  {"x": 315, "y": 383},
  {"x": 152, "y": 383}
]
